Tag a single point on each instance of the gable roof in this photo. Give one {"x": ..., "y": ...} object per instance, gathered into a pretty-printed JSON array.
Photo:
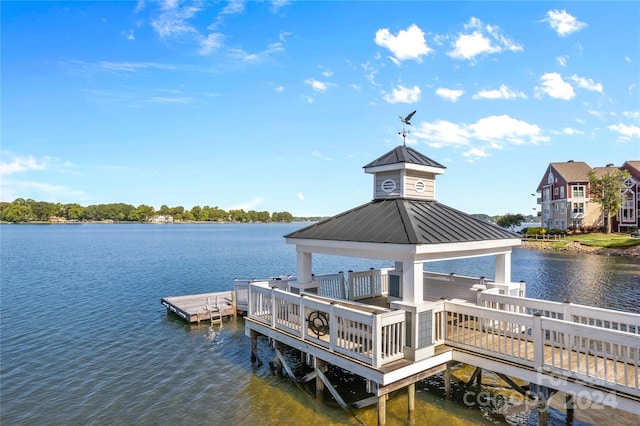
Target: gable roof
[
  {"x": 404, "y": 154},
  {"x": 570, "y": 171},
  {"x": 633, "y": 167},
  {"x": 403, "y": 221}
]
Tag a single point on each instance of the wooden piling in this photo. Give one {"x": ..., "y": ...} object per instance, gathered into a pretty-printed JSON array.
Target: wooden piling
[
  {"x": 254, "y": 348},
  {"x": 570, "y": 405},
  {"x": 320, "y": 366},
  {"x": 447, "y": 382},
  {"x": 411, "y": 403},
  {"x": 382, "y": 410}
]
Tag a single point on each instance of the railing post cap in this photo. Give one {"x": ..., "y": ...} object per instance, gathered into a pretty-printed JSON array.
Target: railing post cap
[{"x": 566, "y": 301}]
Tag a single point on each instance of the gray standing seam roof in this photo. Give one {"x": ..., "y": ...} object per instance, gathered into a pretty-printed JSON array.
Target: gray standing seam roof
[
  {"x": 404, "y": 154},
  {"x": 403, "y": 221}
]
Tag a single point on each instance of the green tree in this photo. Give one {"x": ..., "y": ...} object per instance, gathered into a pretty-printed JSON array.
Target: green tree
[
  {"x": 142, "y": 213},
  {"x": 17, "y": 213},
  {"x": 510, "y": 220},
  {"x": 281, "y": 217},
  {"x": 606, "y": 190},
  {"x": 73, "y": 211}
]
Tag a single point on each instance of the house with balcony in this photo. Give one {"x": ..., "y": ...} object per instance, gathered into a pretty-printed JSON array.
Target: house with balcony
[
  {"x": 565, "y": 201},
  {"x": 400, "y": 324}
]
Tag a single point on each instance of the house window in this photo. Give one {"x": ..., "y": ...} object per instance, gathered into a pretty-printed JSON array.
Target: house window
[
  {"x": 627, "y": 212},
  {"x": 555, "y": 191},
  {"x": 562, "y": 192},
  {"x": 555, "y": 206},
  {"x": 578, "y": 207},
  {"x": 578, "y": 191}
]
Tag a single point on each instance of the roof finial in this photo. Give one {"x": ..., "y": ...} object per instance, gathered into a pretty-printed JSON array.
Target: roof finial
[{"x": 405, "y": 122}]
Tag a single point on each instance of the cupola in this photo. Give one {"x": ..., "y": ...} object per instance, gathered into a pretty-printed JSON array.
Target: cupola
[{"x": 404, "y": 173}]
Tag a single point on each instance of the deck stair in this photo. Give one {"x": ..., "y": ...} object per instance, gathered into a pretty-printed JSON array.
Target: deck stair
[{"x": 215, "y": 313}]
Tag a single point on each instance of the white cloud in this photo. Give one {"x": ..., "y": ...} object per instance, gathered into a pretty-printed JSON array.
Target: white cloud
[
  {"x": 502, "y": 128},
  {"x": 587, "y": 83},
  {"x": 553, "y": 85},
  {"x": 279, "y": 89},
  {"x": 481, "y": 39},
  {"x": 625, "y": 132},
  {"x": 475, "y": 153},
  {"x": 494, "y": 132},
  {"x": 443, "y": 133},
  {"x": 562, "y": 60},
  {"x": 250, "y": 205},
  {"x": 211, "y": 43},
  {"x": 28, "y": 163},
  {"x": 318, "y": 86},
  {"x": 408, "y": 44},
  {"x": 277, "y": 4},
  {"x": 563, "y": 23},
  {"x": 234, "y": 7},
  {"x": 127, "y": 34},
  {"x": 318, "y": 154},
  {"x": 19, "y": 164},
  {"x": 255, "y": 57},
  {"x": 503, "y": 93},
  {"x": 173, "y": 21},
  {"x": 571, "y": 131},
  {"x": 449, "y": 94},
  {"x": 403, "y": 94},
  {"x": 300, "y": 196},
  {"x": 370, "y": 74}
]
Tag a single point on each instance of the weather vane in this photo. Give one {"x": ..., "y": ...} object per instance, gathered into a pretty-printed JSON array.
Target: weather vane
[{"x": 405, "y": 122}]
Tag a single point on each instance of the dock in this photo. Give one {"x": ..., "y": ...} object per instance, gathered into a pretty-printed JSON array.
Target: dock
[{"x": 202, "y": 307}]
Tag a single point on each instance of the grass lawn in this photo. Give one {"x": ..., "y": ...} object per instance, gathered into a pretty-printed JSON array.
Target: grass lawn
[{"x": 604, "y": 240}]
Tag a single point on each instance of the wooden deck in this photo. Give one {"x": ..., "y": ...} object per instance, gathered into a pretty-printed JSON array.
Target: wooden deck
[{"x": 193, "y": 308}]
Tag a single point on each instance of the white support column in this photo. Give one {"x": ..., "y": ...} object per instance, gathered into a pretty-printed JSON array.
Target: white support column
[
  {"x": 412, "y": 282},
  {"x": 503, "y": 268},
  {"x": 304, "y": 262}
]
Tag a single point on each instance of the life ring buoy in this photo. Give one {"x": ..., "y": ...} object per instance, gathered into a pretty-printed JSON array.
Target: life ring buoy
[{"x": 318, "y": 323}]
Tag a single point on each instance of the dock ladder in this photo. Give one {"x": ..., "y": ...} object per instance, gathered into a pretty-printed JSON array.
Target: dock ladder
[{"x": 215, "y": 313}]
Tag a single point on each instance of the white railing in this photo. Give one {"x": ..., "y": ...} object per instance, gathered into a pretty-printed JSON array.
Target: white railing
[
  {"x": 597, "y": 317},
  {"x": 375, "y": 336},
  {"x": 368, "y": 284},
  {"x": 594, "y": 354},
  {"x": 331, "y": 285},
  {"x": 451, "y": 286}
]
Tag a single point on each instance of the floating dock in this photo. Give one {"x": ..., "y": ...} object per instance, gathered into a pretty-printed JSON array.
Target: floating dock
[{"x": 202, "y": 307}]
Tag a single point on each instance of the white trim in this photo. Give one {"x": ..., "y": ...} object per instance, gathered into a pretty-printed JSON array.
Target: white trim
[
  {"x": 402, "y": 252},
  {"x": 404, "y": 166}
]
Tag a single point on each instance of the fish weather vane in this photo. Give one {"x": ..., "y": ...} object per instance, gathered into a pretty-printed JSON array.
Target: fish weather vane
[{"x": 405, "y": 122}]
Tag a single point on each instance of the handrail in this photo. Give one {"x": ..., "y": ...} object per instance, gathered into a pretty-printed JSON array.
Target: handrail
[
  {"x": 373, "y": 336},
  {"x": 573, "y": 349},
  {"x": 598, "y": 317}
]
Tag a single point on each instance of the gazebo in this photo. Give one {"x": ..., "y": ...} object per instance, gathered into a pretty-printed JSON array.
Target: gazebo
[{"x": 406, "y": 225}]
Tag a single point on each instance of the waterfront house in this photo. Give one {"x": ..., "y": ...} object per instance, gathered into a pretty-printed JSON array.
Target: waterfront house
[{"x": 565, "y": 201}]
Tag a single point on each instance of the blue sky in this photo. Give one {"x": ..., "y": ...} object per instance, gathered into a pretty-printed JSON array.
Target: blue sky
[{"x": 277, "y": 105}]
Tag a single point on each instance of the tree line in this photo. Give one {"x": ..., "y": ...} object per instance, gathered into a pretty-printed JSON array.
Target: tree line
[{"x": 21, "y": 210}]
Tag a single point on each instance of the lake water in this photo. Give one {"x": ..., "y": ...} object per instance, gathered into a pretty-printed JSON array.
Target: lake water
[{"x": 85, "y": 340}]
